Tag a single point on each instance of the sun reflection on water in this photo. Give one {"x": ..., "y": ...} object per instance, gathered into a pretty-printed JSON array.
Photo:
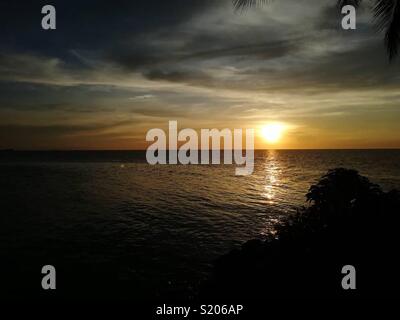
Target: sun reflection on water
[{"x": 272, "y": 173}]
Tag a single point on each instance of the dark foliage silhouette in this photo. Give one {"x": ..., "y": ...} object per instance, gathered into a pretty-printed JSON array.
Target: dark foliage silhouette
[
  {"x": 386, "y": 15},
  {"x": 349, "y": 221}
]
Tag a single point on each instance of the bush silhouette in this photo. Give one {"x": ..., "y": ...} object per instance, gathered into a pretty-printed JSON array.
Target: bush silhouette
[{"x": 349, "y": 221}]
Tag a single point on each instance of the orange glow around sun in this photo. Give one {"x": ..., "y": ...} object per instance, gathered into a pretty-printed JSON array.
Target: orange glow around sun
[{"x": 272, "y": 133}]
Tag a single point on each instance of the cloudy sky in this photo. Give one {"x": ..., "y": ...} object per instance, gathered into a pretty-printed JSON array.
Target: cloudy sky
[{"x": 115, "y": 69}]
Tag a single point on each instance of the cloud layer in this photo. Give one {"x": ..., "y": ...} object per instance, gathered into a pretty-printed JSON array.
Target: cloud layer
[{"x": 112, "y": 71}]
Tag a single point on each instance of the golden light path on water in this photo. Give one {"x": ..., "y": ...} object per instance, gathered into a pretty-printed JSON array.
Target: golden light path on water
[{"x": 272, "y": 172}]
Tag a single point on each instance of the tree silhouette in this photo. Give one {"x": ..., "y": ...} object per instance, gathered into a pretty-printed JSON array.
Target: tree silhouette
[
  {"x": 386, "y": 17},
  {"x": 349, "y": 220}
]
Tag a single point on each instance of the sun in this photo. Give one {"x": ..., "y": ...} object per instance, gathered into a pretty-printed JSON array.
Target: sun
[{"x": 272, "y": 133}]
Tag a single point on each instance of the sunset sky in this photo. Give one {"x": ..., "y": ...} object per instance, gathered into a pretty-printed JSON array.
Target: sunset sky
[{"x": 115, "y": 69}]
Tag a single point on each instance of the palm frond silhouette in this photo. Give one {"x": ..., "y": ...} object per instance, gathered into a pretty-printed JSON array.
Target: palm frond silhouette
[{"x": 386, "y": 17}]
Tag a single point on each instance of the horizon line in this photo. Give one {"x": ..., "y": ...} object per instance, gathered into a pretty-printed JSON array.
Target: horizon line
[{"x": 221, "y": 150}]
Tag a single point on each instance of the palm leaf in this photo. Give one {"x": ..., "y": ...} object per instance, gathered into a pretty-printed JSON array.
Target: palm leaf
[
  {"x": 387, "y": 17},
  {"x": 244, "y": 4},
  {"x": 342, "y": 3}
]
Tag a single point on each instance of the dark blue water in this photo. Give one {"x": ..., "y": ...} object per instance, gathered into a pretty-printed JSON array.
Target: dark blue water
[{"x": 157, "y": 228}]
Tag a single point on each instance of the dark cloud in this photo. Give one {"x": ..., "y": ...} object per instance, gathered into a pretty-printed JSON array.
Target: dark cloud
[
  {"x": 26, "y": 131},
  {"x": 90, "y": 24},
  {"x": 363, "y": 68},
  {"x": 39, "y": 97},
  {"x": 143, "y": 58},
  {"x": 179, "y": 76}
]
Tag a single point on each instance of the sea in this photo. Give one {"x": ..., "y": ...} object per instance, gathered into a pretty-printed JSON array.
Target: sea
[{"x": 114, "y": 226}]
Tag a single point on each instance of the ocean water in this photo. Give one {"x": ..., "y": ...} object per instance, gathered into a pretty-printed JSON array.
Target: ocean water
[{"x": 150, "y": 231}]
